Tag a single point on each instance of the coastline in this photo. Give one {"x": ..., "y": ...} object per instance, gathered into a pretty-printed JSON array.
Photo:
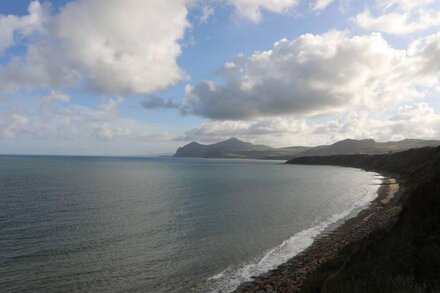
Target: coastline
[{"x": 295, "y": 274}]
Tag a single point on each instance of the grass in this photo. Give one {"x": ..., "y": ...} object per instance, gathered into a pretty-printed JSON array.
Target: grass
[{"x": 405, "y": 257}]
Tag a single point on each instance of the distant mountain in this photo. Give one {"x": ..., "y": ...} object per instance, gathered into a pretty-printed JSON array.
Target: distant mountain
[
  {"x": 218, "y": 150},
  {"x": 269, "y": 154},
  {"x": 235, "y": 148},
  {"x": 368, "y": 146}
]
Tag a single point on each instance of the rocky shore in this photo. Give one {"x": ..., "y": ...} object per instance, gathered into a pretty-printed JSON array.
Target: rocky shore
[{"x": 294, "y": 274}]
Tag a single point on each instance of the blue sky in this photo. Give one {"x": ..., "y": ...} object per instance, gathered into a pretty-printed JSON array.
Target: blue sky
[{"x": 141, "y": 77}]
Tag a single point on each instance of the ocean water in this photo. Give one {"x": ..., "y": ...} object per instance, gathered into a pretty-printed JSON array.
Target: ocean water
[{"x": 72, "y": 224}]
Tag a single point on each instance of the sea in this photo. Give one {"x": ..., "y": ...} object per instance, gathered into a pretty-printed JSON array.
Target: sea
[{"x": 109, "y": 224}]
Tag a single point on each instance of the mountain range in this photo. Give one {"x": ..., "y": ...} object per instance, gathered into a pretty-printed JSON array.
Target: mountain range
[{"x": 235, "y": 148}]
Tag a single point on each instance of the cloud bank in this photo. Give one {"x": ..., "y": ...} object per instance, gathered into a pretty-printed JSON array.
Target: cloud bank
[
  {"x": 23, "y": 26},
  {"x": 54, "y": 117},
  {"x": 117, "y": 47},
  {"x": 399, "y": 17},
  {"x": 415, "y": 121},
  {"x": 318, "y": 74}
]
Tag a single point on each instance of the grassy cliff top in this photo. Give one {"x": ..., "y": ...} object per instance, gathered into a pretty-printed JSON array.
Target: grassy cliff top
[{"x": 406, "y": 257}]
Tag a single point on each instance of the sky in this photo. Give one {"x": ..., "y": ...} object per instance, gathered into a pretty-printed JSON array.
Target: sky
[{"x": 142, "y": 77}]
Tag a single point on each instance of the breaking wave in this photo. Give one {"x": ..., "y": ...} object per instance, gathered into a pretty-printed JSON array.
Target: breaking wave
[{"x": 231, "y": 277}]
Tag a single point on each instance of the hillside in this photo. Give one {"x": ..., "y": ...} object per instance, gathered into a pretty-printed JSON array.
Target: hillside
[
  {"x": 405, "y": 257},
  {"x": 235, "y": 148},
  {"x": 368, "y": 146},
  {"x": 218, "y": 150}
]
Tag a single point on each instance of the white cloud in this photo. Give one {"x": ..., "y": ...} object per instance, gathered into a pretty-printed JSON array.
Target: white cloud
[
  {"x": 118, "y": 47},
  {"x": 23, "y": 25},
  {"x": 125, "y": 46},
  {"x": 111, "y": 104},
  {"x": 398, "y": 23},
  {"x": 273, "y": 131},
  {"x": 55, "y": 118},
  {"x": 322, "y": 4},
  {"x": 425, "y": 54},
  {"x": 404, "y": 5},
  {"x": 43, "y": 65},
  {"x": 11, "y": 124},
  {"x": 419, "y": 120},
  {"x": 399, "y": 17},
  {"x": 55, "y": 96},
  {"x": 207, "y": 12},
  {"x": 315, "y": 74},
  {"x": 411, "y": 121},
  {"x": 252, "y": 9}
]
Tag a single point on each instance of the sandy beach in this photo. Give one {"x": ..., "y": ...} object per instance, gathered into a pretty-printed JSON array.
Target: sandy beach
[{"x": 299, "y": 271}]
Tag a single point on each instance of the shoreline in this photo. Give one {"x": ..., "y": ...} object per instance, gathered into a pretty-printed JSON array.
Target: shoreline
[{"x": 293, "y": 275}]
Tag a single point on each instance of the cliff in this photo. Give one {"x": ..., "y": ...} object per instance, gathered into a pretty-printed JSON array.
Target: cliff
[{"x": 404, "y": 257}]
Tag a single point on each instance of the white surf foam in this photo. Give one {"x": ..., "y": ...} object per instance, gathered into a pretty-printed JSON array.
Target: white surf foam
[{"x": 230, "y": 278}]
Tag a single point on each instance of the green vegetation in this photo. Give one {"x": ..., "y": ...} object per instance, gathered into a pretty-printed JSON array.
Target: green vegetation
[
  {"x": 235, "y": 148},
  {"x": 405, "y": 257}
]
